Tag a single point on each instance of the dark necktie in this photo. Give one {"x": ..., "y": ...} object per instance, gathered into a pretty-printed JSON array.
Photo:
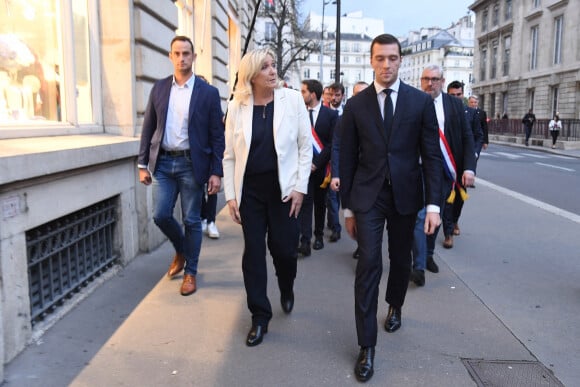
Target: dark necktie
[
  {"x": 388, "y": 111},
  {"x": 311, "y": 111}
]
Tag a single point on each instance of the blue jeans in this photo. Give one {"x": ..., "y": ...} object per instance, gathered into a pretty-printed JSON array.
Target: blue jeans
[
  {"x": 174, "y": 176},
  {"x": 420, "y": 242},
  {"x": 332, "y": 208}
]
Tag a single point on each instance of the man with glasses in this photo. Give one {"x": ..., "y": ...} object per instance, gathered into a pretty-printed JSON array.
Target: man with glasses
[{"x": 457, "y": 147}]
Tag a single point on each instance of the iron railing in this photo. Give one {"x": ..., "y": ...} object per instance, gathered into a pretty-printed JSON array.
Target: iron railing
[{"x": 514, "y": 127}]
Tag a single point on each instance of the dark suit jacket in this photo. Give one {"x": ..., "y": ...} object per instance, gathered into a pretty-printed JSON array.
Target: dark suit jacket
[
  {"x": 366, "y": 152},
  {"x": 324, "y": 128},
  {"x": 458, "y": 134},
  {"x": 482, "y": 115},
  {"x": 205, "y": 131},
  {"x": 475, "y": 124}
]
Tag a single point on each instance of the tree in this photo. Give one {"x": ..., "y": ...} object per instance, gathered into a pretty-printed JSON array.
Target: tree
[{"x": 285, "y": 35}]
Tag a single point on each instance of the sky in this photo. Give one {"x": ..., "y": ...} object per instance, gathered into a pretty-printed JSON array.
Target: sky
[{"x": 400, "y": 16}]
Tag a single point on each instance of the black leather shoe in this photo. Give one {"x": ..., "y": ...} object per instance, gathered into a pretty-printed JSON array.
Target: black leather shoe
[
  {"x": 393, "y": 321},
  {"x": 335, "y": 236},
  {"x": 356, "y": 254},
  {"x": 418, "y": 277},
  {"x": 318, "y": 244},
  {"x": 287, "y": 301},
  {"x": 364, "y": 369},
  {"x": 431, "y": 265},
  {"x": 304, "y": 249},
  {"x": 256, "y": 335}
]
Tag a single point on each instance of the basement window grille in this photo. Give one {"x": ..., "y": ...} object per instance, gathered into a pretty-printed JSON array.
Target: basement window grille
[{"x": 65, "y": 254}]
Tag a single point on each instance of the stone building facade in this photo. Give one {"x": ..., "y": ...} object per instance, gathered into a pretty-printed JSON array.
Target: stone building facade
[
  {"x": 527, "y": 56},
  {"x": 75, "y": 77}
]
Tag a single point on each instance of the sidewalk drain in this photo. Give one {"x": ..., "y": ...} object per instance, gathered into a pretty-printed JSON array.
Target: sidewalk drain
[{"x": 510, "y": 373}]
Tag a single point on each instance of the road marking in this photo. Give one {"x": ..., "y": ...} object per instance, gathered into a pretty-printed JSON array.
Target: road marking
[
  {"x": 487, "y": 154},
  {"x": 526, "y": 199},
  {"x": 509, "y": 155},
  {"x": 556, "y": 167},
  {"x": 564, "y": 157},
  {"x": 536, "y": 156}
]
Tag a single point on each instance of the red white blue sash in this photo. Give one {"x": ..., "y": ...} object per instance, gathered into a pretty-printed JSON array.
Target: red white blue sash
[{"x": 450, "y": 168}]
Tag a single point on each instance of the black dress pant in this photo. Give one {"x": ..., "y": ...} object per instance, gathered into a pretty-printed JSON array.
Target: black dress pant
[
  {"x": 315, "y": 198},
  {"x": 370, "y": 263},
  {"x": 266, "y": 218}
]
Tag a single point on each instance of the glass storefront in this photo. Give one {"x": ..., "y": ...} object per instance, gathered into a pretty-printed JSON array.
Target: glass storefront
[{"x": 39, "y": 44}]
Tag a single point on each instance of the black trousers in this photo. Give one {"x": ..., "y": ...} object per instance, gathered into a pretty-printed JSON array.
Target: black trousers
[
  {"x": 370, "y": 263},
  {"x": 315, "y": 198},
  {"x": 266, "y": 218}
]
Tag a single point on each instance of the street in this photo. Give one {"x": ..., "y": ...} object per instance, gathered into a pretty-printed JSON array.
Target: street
[{"x": 508, "y": 291}]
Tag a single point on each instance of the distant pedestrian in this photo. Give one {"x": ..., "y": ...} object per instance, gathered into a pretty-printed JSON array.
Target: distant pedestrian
[
  {"x": 182, "y": 145},
  {"x": 555, "y": 126},
  {"x": 267, "y": 164},
  {"x": 528, "y": 121}
]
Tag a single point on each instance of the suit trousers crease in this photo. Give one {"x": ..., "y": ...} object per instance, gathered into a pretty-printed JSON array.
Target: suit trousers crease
[
  {"x": 265, "y": 220},
  {"x": 314, "y": 199},
  {"x": 369, "y": 268}
]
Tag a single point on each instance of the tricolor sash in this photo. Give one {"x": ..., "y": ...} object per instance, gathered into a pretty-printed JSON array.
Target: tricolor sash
[
  {"x": 317, "y": 147},
  {"x": 450, "y": 168}
]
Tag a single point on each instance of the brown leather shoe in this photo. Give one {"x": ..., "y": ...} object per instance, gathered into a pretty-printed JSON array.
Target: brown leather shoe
[
  {"x": 448, "y": 242},
  {"x": 188, "y": 286},
  {"x": 177, "y": 265},
  {"x": 456, "y": 230}
]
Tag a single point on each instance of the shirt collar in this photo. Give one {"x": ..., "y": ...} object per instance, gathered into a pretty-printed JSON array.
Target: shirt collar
[
  {"x": 395, "y": 87},
  {"x": 188, "y": 84}
]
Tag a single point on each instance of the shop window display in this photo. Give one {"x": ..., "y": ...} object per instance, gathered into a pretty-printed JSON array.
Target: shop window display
[{"x": 32, "y": 59}]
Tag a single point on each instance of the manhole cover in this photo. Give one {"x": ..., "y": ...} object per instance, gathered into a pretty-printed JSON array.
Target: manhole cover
[{"x": 509, "y": 373}]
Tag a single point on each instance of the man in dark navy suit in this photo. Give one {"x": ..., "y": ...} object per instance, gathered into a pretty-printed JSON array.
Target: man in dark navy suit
[
  {"x": 182, "y": 146},
  {"x": 323, "y": 121},
  {"x": 385, "y": 129}
]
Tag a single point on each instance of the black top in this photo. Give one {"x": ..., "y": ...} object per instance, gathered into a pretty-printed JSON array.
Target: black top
[{"x": 262, "y": 157}]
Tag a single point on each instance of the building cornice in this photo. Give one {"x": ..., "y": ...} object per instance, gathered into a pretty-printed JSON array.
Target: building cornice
[{"x": 557, "y": 5}]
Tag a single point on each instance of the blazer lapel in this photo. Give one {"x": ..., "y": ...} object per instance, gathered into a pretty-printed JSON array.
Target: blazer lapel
[
  {"x": 279, "y": 108},
  {"x": 166, "y": 90},
  {"x": 194, "y": 98}
]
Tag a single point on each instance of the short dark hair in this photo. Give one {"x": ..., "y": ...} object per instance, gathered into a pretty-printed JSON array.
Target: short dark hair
[
  {"x": 386, "y": 39},
  {"x": 313, "y": 86},
  {"x": 455, "y": 85},
  {"x": 181, "y": 38},
  {"x": 337, "y": 86}
]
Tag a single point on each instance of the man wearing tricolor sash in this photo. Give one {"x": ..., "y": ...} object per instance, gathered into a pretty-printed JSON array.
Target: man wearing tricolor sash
[
  {"x": 457, "y": 149},
  {"x": 322, "y": 120}
]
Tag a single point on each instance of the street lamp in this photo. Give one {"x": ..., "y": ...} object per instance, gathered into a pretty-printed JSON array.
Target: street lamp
[
  {"x": 324, "y": 4},
  {"x": 337, "y": 62}
]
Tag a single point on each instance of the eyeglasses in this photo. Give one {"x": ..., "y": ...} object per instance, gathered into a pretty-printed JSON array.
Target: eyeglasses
[{"x": 427, "y": 79}]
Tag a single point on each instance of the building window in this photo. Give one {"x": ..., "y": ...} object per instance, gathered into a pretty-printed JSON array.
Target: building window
[
  {"x": 270, "y": 32},
  {"x": 484, "y": 20},
  {"x": 493, "y": 60},
  {"x": 504, "y": 102},
  {"x": 558, "y": 27},
  {"x": 534, "y": 52},
  {"x": 483, "y": 64},
  {"x": 492, "y": 106},
  {"x": 508, "y": 10},
  {"x": 495, "y": 15},
  {"x": 35, "y": 47},
  {"x": 356, "y": 47},
  {"x": 536, "y": 4},
  {"x": 332, "y": 74},
  {"x": 307, "y": 74},
  {"x": 345, "y": 59},
  {"x": 507, "y": 42},
  {"x": 555, "y": 95},
  {"x": 185, "y": 15},
  {"x": 532, "y": 97}
]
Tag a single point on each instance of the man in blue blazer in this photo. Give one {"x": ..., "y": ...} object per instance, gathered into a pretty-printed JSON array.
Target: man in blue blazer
[
  {"x": 182, "y": 146},
  {"x": 385, "y": 129}
]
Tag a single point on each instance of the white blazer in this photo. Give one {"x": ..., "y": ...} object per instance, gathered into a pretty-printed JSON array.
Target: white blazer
[{"x": 292, "y": 140}]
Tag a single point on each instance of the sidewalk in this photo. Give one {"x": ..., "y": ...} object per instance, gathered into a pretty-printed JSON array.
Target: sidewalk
[{"x": 136, "y": 330}]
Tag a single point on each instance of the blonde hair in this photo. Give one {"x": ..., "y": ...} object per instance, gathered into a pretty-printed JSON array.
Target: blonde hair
[{"x": 250, "y": 66}]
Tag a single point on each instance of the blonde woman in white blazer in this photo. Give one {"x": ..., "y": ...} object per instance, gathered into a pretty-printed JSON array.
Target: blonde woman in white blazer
[{"x": 266, "y": 164}]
